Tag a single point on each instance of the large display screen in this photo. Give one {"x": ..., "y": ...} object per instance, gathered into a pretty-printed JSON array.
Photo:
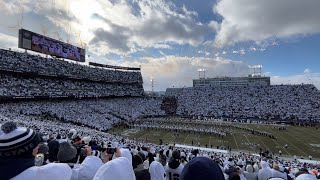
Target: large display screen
[{"x": 42, "y": 44}]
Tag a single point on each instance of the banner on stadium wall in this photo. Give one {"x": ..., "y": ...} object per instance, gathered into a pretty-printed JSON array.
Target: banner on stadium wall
[{"x": 35, "y": 42}]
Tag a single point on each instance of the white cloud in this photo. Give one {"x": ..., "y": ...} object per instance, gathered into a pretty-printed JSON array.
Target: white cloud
[
  {"x": 251, "y": 20},
  {"x": 107, "y": 26},
  {"x": 306, "y": 71},
  {"x": 7, "y": 41},
  {"x": 176, "y": 71},
  {"x": 309, "y": 78}
]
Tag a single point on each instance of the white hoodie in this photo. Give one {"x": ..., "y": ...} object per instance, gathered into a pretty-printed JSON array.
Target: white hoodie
[
  {"x": 53, "y": 171},
  {"x": 264, "y": 173},
  {"x": 306, "y": 177},
  {"x": 116, "y": 169},
  {"x": 87, "y": 169},
  {"x": 157, "y": 171}
]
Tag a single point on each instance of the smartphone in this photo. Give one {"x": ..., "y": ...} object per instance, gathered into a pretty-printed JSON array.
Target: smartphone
[{"x": 111, "y": 150}]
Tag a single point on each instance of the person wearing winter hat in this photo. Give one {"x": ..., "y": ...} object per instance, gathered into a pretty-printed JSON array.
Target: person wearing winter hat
[
  {"x": 174, "y": 166},
  {"x": 201, "y": 168},
  {"x": 157, "y": 171},
  {"x": 117, "y": 169},
  {"x": 18, "y": 147},
  {"x": 67, "y": 154}
]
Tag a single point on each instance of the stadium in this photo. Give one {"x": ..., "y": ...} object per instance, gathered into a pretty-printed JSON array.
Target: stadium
[{"x": 63, "y": 116}]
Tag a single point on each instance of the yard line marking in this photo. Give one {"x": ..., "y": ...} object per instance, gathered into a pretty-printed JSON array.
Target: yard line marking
[
  {"x": 210, "y": 141},
  {"x": 279, "y": 145},
  {"x": 235, "y": 141},
  {"x": 300, "y": 141},
  {"x": 141, "y": 137},
  {"x": 166, "y": 135},
  {"x": 184, "y": 142},
  {"x": 290, "y": 143}
]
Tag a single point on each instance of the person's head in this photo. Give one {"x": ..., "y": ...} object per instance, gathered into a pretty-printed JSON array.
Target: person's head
[
  {"x": 67, "y": 153},
  {"x": 157, "y": 171},
  {"x": 136, "y": 160},
  {"x": 201, "y": 168},
  {"x": 43, "y": 149},
  {"x": 174, "y": 161},
  {"x": 77, "y": 140},
  {"x": 18, "y": 142},
  {"x": 118, "y": 169}
]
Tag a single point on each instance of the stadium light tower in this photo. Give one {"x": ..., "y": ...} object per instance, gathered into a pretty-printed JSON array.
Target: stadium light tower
[
  {"x": 257, "y": 70},
  {"x": 202, "y": 73},
  {"x": 152, "y": 84}
]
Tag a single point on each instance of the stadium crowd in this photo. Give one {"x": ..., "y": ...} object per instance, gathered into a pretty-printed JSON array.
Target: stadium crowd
[
  {"x": 28, "y": 63},
  {"x": 282, "y": 102},
  {"x": 25, "y": 75},
  {"x": 49, "y": 149},
  {"x": 96, "y": 113},
  {"x": 13, "y": 86}
]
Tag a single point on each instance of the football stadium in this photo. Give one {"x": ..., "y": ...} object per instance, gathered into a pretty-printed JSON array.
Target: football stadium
[{"x": 88, "y": 110}]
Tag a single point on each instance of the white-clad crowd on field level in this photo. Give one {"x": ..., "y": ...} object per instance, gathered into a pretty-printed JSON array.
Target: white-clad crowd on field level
[
  {"x": 281, "y": 102},
  {"x": 59, "y": 150},
  {"x": 24, "y": 62},
  {"x": 97, "y": 113}
]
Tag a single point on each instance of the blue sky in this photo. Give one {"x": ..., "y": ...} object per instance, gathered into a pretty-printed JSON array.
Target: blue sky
[{"x": 171, "y": 40}]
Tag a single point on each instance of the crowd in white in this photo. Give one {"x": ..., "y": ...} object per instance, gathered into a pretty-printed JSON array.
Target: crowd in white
[
  {"x": 24, "y": 62},
  {"x": 56, "y": 78},
  {"x": 97, "y": 113},
  {"x": 281, "y": 102},
  {"x": 13, "y": 86}
]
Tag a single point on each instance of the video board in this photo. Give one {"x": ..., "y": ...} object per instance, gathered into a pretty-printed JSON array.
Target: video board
[{"x": 43, "y": 44}]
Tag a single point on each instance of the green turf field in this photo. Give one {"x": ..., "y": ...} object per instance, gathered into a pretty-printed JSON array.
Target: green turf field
[{"x": 301, "y": 141}]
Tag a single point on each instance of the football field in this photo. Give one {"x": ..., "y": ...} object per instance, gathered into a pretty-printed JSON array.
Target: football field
[{"x": 300, "y": 141}]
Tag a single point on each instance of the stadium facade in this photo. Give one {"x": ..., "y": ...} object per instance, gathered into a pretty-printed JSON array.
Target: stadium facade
[{"x": 232, "y": 81}]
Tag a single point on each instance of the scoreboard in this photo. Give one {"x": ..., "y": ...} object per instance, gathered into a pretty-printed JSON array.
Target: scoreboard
[{"x": 35, "y": 42}]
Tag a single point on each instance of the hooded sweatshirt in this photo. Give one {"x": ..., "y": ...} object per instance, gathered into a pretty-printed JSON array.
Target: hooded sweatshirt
[
  {"x": 87, "y": 169},
  {"x": 306, "y": 177},
  {"x": 116, "y": 169},
  {"x": 249, "y": 174},
  {"x": 265, "y": 173},
  {"x": 127, "y": 154},
  {"x": 278, "y": 174},
  {"x": 53, "y": 171},
  {"x": 157, "y": 171}
]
